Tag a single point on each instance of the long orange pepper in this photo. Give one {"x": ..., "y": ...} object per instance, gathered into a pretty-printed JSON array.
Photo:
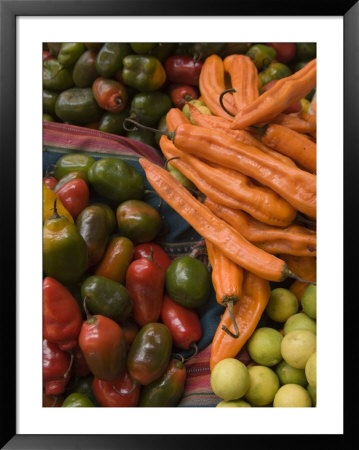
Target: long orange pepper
[
  {"x": 247, "y": 312},
  {"x": 300, "y": 123},
  {"x": 227, "y": 279},
  {"x": 233, "y": 245},
  {"x": 277, "y": 99},
  {"x": 207, "y": 121},
  {"x": 290, "y": 143},
  {"x": 232, "y": 188},
  {"x": 296, "y": 186},
  {"x": 293, "y": 240},
  {"x": 212, "y": 84},
  {"x": 244, "y": 79}
]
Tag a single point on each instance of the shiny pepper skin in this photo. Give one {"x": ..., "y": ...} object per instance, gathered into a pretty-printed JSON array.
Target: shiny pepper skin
[
  {"x": 62, "y": 318},
  {"x": 55, "y": 368}
]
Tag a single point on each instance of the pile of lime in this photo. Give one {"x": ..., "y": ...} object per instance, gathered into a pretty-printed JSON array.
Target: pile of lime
[{"x": 284, "y": 369}]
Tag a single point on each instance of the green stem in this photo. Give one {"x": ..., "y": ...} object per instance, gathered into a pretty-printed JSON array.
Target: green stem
[
  {"x": 169, "y": 134},
  {"x": 230, "y": 303}
]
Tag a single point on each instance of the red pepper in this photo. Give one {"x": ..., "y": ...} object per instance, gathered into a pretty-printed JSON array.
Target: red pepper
[
  {"x": 108, "y": 393},
  {"x": 50, "y": 182},
  {"x": 104, "y": 347},
  {"x": 183, "y": 323},
  {"x": 145, "y": 281},
  {"x": 109, "y": 94},
  {"x": 293, "y": 108},
  {"x": 159, "y": 255},
  {"x": 75, "y": 196},
  {"x": 183, "y": 69},
  {"x": 80, "y": 367},
  {"x": 62, "y": 317},
  {"x": 56, "y": 368},
  {"x": 130, "y": 329},
  {"x": 46, "y": 55},
  {"x": 181, "y": 94},
  {"x": 285, "y": 52},
  {"x": 52, "y": 401}
]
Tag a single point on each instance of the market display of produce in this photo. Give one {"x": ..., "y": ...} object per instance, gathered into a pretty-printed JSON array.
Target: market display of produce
[{"x": 179, "y": 225}]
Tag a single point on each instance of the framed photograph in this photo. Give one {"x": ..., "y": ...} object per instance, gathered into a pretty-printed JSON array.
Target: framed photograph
[{"x": 29, "y": 145}]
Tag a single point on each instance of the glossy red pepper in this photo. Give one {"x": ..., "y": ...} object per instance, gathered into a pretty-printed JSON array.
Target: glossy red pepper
[
  {"x": 49, "y": 181},
  {"x": 62, "y": 317},
  {"x": 181, "y": 94},
  {"x": 293, "y": 108},
  {"x": 145, "y": 281},
  {"x": 285, "y": 52},
  {"x": 158, "y": 253},
  {"x": 79, "y": 367},
  {"x": 108, "y": 393},
  {"x": 56, "y": 368},
  {"x": 52, "y": 401},
  {"x": 183, "y": 323},
  {"x": 103, "y": 344},
  {"x": 109, "y": 94},
  {"x": 183, "y": 69},
  {"x": 75, "y": 196}
]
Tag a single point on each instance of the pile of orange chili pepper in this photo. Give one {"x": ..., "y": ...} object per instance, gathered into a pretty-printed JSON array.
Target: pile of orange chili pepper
[{"x": 255, "y": 164}]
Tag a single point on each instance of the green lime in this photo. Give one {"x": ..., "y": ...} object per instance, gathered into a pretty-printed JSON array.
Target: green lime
[
  {"x": 313, "y": 394},
  {"x": 281, "y": 305},
  {"x": 309, "y": 301},
  {"x": 311, "y": 370},
  {"x": 297, "y": 346},
  {"x": 229, "y": 379},
  {"x": 290, "y": 375},
  {"x": 264, "y": 346},
  {"x": 180, "y": 177},
  {"x": 292, "y": 396},
  {"x": 233, "y": 404},
  {"x": 300, "y": 321},
  {"x": 263, "y": 385}
]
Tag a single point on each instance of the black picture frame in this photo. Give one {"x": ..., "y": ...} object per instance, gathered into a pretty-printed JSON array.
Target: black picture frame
[{"x": 9, "y": 11}]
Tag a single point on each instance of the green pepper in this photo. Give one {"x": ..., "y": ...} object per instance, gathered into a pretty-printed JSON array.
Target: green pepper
[
  {"x": 180, "y": 177},
  {"x": 142, "y": 47},
  {"x": 55, "y": 76},
  {"x": 73, "y": 162},
  {"x": 77, "y": 400},
  {"x": 70, "y": 52},
  {"x": 107, "y": 297},
  {"x": 148, "y": 107},
  {"x": 78, "y": 106},
  {"x": 305, "y": 51},
  {"x": 141, "y": 135},
  {"x": 262, "y": 55},
  {"x": 64, "y": 249},
  {"x": 275, "y": 71},
  {"x": 162, "y": 51},
  {"x": 47, "y": 117},
  {"x": 162, "y": 127},
  {"x": 69, "y": 177},
  {"x": 200, "y": 50},
  {"x": 116, "y": 180},
  {"x": 188, "y": 281},
  {"x": 149, "y": 353},
  {"x": 167, "y": 390},
  {"x": 113, "y": 122},
  {"x": 111, "y": 218},
  {"x": 83, "y": 386},
  {"x": 145, "y": 73},
  {"x": 54, "y": 48},
  {"x": 48, "y": 101},
  {"x": 235, "y": 48},
  {"x": 94, "y": 227},
  {"x": 85, "y": 72},
  {"x": 110, "y": 58}
]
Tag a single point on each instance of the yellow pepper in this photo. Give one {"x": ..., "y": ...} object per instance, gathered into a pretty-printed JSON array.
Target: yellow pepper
[{"x": 48, "y": 198}]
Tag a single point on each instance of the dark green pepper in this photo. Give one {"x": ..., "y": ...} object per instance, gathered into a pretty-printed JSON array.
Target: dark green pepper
[
  {"x": 141, "y": 135},
  {"x": 201, "y": 50},
  {"x": 73, "y": 162},
  {"x": 85, "y": 72},
  {"x": 77, "y": 400},
  {"x": 142, "y": 47},
  {"x": 305, "y": 51},
  {"x": 113, "y": 122},
  {"x": 235, "y": 48},
  {"x": 162, "y": 51},
  {"x": 275, "y": 71},
  {"x": 48, "y": 101},
  {"x": 94, "y": 227},
  {"x": 116, "y": 180},
  {"x": 83, "y": 386},
  {"x": 145, "y": 73},
  {"x": 167, "y": 390},
  {"x": 110, "y": 57},
  {"x": 55, "y": 76},
  {"x": 107, "y": 297},
  {"x": 70, "y": 52},
  {"x": 149, "y": 353},
  {"x": 78, "y": 106},
  {"x": 64, "y": 249},
  {"x": 262, "y": 55},
  {"x": 47, "y": 117},
  {"x": 148, "y": 107}
]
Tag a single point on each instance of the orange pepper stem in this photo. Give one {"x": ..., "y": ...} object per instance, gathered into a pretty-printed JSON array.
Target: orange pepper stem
[
  {"x": 230, "y": 303},
  {"x": 291, "y": 274},
  {"x": 222, "y": 94}
]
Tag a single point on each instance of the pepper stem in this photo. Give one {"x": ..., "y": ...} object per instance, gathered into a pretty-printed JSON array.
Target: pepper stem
[
  {"x": 291, "y": 274},
  {"x": 229, "y": 304},
  {"x": 169, "y": 134},
  {"x": 222, "y": 94},
  {"x": 66, "y": 374},
  {"x": 56, "y": 214},
  {"x": 88, "y": 314}
]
